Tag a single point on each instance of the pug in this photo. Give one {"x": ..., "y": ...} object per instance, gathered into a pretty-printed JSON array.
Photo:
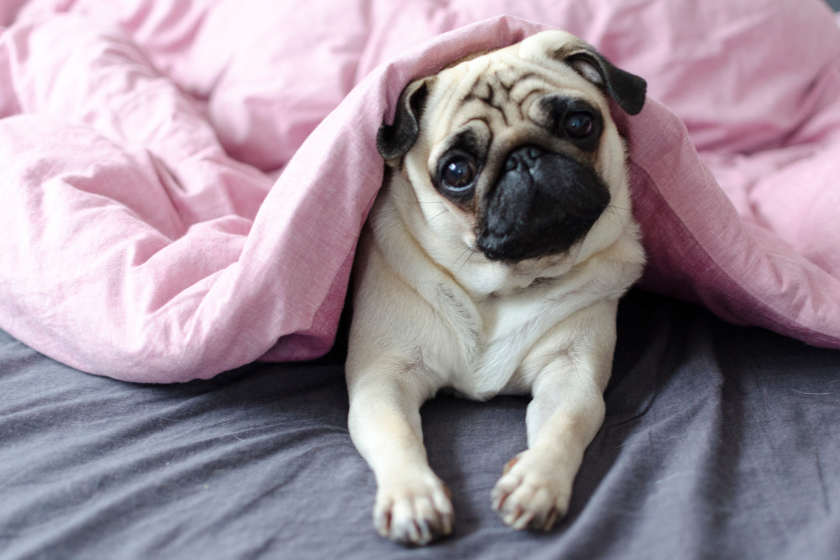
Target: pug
[{"x": 492, "y": 264}]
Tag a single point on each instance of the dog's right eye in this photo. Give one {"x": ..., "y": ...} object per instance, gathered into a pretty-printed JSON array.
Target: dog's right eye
[{"x": 458, "y": 174}]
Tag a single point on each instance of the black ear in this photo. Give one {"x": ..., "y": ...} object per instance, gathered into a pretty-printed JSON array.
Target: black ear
[
  {"x": 625, "y": 88},
  {"x": 394, "y": 140}
]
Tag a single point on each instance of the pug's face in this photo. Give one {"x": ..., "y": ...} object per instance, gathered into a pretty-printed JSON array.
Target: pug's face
[{"x": 516, "y": 146}]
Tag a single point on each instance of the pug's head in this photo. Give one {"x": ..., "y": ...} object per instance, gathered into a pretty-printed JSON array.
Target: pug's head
[{"x": 516, "y": 146}]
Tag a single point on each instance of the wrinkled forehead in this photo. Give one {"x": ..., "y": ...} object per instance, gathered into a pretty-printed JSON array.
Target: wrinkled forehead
[{"x": 498, "y": 88}]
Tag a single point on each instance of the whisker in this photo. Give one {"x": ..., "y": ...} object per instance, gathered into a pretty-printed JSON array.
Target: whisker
[
  {"x": 613, "y": 209},
  {"x": 410, "y": 200},
  {"x": 472, "y": 252},
  {"x": 449, "y": 268},
  {"x": 445, "y": 210},
  {"x": 609, "y": 206}
]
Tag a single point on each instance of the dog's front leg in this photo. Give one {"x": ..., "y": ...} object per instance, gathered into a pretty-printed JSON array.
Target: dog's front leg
[
  {"x": 412, "y": 504},
  {"x": 565, "y": 414}
]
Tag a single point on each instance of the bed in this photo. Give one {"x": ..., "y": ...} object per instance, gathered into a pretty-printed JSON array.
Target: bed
[{"x": 719, "y": 440}]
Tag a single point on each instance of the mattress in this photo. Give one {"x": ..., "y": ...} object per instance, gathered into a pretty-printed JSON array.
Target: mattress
[{"x": 719, "y": 442}]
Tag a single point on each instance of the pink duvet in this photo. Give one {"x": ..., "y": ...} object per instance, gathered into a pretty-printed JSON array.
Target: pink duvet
[{"x": 182, "y": 182}]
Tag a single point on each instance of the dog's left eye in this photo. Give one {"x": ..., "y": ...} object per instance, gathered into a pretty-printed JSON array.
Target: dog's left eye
[
  {"x": 579, "y": 125},
  {"x": 458, "y": 174}
]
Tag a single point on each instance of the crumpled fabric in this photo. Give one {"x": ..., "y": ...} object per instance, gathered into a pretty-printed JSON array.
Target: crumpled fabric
[{"x": 184, "y": 182}]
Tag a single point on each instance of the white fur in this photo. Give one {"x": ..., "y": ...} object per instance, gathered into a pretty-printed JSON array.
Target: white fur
[{"x": 431, "y": 312}]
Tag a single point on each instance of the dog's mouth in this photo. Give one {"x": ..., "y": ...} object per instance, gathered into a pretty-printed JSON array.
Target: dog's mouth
[{"x": 542, "y": 204}]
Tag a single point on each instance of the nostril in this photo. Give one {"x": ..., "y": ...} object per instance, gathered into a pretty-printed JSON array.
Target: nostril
[{"x": 524, "y": 157}]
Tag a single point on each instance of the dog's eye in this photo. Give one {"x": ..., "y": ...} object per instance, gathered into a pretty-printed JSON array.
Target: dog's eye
[
  {"x": 579, "y": 125},
  {"x": 458, "y": 174}
]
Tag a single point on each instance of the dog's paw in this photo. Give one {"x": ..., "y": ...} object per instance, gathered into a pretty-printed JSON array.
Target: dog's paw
[
  {"x": 533, "y": 492},
  {"x": 415, "y": 510}
]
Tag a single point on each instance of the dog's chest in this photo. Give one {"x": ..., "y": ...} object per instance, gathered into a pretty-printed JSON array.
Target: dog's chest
[{"x": 492, "y": 338}]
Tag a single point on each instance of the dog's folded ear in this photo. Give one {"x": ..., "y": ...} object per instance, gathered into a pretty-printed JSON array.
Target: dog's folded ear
[
  {"x": 628, "y": 90},
  {"x": 394, "y": 140}
]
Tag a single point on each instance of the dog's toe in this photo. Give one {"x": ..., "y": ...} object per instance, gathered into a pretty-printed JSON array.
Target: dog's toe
[
  {"x": 416, "y": 512},
  {"x": 531, "y": 494}
]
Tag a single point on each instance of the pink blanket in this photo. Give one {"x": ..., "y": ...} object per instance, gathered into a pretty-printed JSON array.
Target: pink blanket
[{"x": 183, "y": 182}]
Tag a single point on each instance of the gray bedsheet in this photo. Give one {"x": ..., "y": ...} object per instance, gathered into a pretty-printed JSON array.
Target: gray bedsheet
[{"x": 720, "y": 442}]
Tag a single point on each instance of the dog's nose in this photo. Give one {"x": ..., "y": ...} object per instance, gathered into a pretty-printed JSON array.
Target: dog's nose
[
  {"x": 516, "y": 190},
  {"x": 541, "y": 204},
  {"x": 523, "y": 158}
]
